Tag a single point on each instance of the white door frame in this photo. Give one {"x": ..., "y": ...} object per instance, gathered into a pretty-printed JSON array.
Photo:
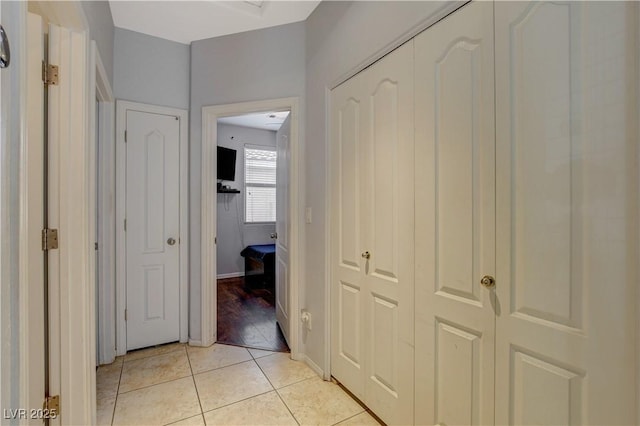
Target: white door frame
[
  {"x": 71, "y": 291},
  {"x": 208, "y": 296},
  {"x": 75, "y": 373},
  {"x": 100, "y": 89},
  {"x": 183, "y": 238},
  {"x": 32, "y": 274}
]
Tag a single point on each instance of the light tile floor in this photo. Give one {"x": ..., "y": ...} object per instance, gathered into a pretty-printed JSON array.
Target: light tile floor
[{"x": 220, "y": 385}]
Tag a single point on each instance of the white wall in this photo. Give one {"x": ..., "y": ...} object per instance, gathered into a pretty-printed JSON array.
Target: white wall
[
  {"x": 233, "y": 234},
  {"x": 150, "y": 70},
  {"x": 255, "y": 65},
  {"x": 340, "y": 36}
]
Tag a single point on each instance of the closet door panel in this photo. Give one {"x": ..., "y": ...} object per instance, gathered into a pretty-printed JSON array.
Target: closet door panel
[
  {"x": 455, "y": 229},
  {"x": 388, "y": 236},
  {"x": 383, "y": 151},
  {"x": 347, "y": 273},
  {"x": 563, "y": 108},
  {"x": 542, "y": 147}
]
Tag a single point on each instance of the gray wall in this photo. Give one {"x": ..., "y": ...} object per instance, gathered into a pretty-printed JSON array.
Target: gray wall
[
  {"x": 339, "y": 37},
  {"x": 150, "y": 70},
  {"x": 255, "y": 65},
  {"x": 98, "y": 15},
  {"x": 233, "y": 234}
]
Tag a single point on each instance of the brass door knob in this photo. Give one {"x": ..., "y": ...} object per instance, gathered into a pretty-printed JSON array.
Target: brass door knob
[
  {"x": 366, "y": 255},
  {"x": 171, "y": 241},
  {"x": 488, "y": 281}
]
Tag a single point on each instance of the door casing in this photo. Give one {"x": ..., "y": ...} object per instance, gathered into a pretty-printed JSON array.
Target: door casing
[
  {"x": 121, "y": 273},
  {"x": 210, "y": 115},
  {"x": 104, "y": 234}
]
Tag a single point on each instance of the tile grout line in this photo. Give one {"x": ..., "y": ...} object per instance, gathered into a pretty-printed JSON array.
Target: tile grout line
[
  {"x": 193, "y": 378},
  {"x": 158, "y": 383},
  {"x": 115, "y": 403},
  {"x": 239, "y": 401},
  {"x": 220, "y": 367},
  {"x": 348, "y": 418},
  {"x": 276, "y": 390}
]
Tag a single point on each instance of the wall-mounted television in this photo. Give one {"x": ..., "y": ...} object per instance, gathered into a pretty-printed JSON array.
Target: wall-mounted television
[{"x": 226, "y": 164}]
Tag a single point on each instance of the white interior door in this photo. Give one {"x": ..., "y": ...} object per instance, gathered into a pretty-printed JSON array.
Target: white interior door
[
  {"x": 566, "y": 127},
  {"x": 455, "y": 227},
  {"x": 372, "y": 307},
  {"x": 282, "y": 227},
  {"x": 152, "y": 228}
]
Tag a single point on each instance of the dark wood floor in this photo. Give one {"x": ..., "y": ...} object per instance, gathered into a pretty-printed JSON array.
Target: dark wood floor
[{"x": 248, "y": 317}]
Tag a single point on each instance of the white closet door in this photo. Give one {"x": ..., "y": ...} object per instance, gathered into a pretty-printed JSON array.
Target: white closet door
[
  {"x": 567, "y": 158},
  {"x": 455, "y": 227},
  {"x": 347, "y": 266},
  {"x": 372, "y": 309},
  {"x": 387, "y": 234}
]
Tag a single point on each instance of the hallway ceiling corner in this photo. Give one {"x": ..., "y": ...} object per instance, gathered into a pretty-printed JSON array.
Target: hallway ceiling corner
[{"x": 187, "y": 21}]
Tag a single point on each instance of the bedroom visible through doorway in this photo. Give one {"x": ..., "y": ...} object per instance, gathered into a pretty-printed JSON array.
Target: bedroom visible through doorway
[{"x": 252, "y": 171}]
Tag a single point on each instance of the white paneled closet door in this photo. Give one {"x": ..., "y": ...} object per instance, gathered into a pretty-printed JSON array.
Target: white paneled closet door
[
  {"x": 372, "y": 234},
  {"x": 347, "y": 266},
  {"x": 566, "y": 115},
  {"x": 455, "y": 219}
]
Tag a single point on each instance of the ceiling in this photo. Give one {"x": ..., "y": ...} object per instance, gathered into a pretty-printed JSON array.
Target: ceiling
[
  {"x": 261, "y": 120},
  {"x": 187, "y": 21}
]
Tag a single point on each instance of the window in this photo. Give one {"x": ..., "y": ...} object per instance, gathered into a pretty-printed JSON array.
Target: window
[{"x": 260, "y": 185}]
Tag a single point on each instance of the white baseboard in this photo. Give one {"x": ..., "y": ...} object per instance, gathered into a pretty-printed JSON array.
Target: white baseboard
[
  {"x": 313, "y": 366},
  {"x": 195, "y": 342},
  {"x": 231, "y": 275}
]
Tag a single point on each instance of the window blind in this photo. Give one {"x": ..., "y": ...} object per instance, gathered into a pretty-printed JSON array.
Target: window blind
[{"x": 260, "y": 185}]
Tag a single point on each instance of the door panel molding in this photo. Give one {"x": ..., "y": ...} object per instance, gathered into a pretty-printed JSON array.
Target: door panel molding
[{"x": 121, "y": 275}]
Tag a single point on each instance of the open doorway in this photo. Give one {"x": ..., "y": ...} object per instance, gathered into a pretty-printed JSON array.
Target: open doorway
[
  {"x": 289, "y": 221},
  {"x": 252, "y": 237}
]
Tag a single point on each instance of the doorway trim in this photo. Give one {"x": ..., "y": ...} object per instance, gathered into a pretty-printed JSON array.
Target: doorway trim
[
  {"x": 183, "y": 238},
  {"x": 104, "y": 233},
  {"x": 208, "y": 296}
]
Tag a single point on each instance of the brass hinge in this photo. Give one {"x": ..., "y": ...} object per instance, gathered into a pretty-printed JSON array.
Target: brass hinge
[
  {"x": 125, "y": 136},
  {"x": 52, "y": 406},
  {"x": 49, "y": 74},
  {"x": 125, "y": 225},
  {"x": 49, "y": 239},
  {"x": 125, "y": 314}
]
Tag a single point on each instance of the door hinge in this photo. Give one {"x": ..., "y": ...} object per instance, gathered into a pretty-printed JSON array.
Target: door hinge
[
  {"x": 52, "y": 406},
  {"x": 49, "y": 74},
  {"x": 125, "y": 136},
  {"x": 49, "y": 239},
  {"x": 215, "y": 240},
  {"x": 95, "y": 246},
  {"x": 125, "y": 225},
  {"x": 125, "y": 314}
]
